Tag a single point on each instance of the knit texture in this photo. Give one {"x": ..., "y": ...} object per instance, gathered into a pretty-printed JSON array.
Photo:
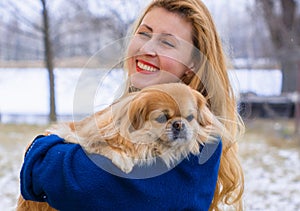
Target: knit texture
[{"x": 64, "y": 176}]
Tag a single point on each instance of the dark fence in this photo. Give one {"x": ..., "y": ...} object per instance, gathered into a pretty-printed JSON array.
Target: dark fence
[
  {"x": 26, "y": 118},
  {"x": 251, "y": 106}
]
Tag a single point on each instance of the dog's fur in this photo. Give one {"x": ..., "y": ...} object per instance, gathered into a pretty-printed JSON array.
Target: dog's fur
[{"x": 168, "y": 121}]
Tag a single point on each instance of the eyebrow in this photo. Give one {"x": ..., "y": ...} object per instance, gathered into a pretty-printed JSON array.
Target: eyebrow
[
  {"x": 164, "y": 34},
  {"x": 150, "y": 29}
]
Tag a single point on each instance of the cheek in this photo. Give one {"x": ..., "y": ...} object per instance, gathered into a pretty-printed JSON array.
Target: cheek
[
  {"x": 173, "y": 66},
  {"x": 133, "y": 46},
  {"x": 132, "y": 51},
  {"x": 130, "y": 63},
  {"x": 177, "y": 62}
]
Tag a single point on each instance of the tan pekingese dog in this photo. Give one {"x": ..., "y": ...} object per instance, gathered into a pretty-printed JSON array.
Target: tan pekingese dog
[{"x": 168, "y": 121}]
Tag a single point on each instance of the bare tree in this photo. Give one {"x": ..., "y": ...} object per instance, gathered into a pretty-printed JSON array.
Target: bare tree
[
  {"x": 60, "y": 28},
  {"x": 34, "y": 29},
  {"x": 283, "y": 21},
  {"x": 49, "y": 60},
  {"x": 124, "y": 13}
]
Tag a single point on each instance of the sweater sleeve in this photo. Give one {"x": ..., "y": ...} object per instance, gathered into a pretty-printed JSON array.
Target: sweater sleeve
[{"x": 64, "y": 176}]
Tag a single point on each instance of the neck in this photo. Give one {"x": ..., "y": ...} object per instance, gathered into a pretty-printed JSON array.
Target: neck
[{"x": 133, "y": 89}]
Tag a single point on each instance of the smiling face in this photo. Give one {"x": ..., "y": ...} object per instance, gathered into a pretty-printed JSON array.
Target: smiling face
[{"x": 160, "y": 51}]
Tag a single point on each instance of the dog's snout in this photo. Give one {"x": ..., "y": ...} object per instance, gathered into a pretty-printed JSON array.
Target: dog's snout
[
  {"x": 178, "y": 125},
  {"x": 179, "y": 130}
]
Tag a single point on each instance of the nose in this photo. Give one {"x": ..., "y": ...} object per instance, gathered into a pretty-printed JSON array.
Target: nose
[
  {"x": 178, "y": 125},
  {"x": 148, "y": 48},
  {"x": 179, "y": 130}
]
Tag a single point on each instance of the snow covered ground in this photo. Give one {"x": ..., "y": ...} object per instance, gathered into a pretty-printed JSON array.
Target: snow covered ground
[
  {"x": 25, "y": 91},
  {"x": 270, "y": 160},
  {"x": 13, "y": 142}
]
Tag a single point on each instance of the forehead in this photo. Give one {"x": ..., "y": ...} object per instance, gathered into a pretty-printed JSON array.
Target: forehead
[
  {"x": 162, "y": 21},
  {"x": 174, "y": 102}
]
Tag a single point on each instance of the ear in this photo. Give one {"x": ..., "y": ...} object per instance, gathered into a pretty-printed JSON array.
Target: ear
[
  {"x": 208, "y": 120},
  {"x": 205, "y": 116},
  {"x": 137, "y": 112},
  {"x": 188, "y": 75},
  {"x": 192, "y": 67}
]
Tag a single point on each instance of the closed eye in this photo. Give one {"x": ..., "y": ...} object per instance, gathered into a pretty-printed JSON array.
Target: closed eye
[
  {"x": 168, "y": 43},
  {"x": 190, "y": 117},
  {"x": 145, "y": 34},
  {"x": 162, "y": 118}
]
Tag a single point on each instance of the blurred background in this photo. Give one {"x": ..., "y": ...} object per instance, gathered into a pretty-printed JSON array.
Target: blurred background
[{"x": 45, "y": 47}]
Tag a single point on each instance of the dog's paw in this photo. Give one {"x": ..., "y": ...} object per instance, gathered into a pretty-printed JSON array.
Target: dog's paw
[
  {"x": 126, "y": 168},
  {"x": 123, "y": 162}
]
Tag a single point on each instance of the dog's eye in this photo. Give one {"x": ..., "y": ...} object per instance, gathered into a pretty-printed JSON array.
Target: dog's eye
[
  {"x": 190, "y": 117},
  {"x": 162, "y": 118}
]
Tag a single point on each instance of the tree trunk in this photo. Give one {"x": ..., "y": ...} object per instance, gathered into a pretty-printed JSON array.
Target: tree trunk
[
  {"x": 49, "y": 62},
  {"x": 297, "y": 105},
  {"x": 289, "y": 65},
  {"x": 283, "y": 31}
]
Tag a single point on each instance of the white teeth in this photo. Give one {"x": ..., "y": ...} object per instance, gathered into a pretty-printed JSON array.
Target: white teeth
[{"x": 146, "y": 67}]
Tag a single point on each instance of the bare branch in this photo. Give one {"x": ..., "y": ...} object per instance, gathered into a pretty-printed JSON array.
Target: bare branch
[
  {"x": 273, "y": 21},
  {"x": 288, "y": 13},
  {"x": 14, "y": 29},
  {"x": 21, "y": 18}
]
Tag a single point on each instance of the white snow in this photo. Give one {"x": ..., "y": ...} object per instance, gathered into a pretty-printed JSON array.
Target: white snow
[
  {"x": 25, "y": 91},
  {"x": 259, "y": 81},
  {"x": 272, "y": 177}
]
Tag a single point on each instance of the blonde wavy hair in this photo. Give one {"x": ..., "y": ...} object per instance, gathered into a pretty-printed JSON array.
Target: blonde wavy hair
[{"x": 211, "y": 79}]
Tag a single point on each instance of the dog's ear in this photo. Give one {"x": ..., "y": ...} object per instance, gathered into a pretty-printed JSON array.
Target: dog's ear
[
  {"x": 137, "y": 111},
  {"x": 208, "y": 120},
  {"x": 204, "y": 116}
]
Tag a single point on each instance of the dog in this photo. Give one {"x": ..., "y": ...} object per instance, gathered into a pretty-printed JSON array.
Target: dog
[{"x": 166, "y": 121}]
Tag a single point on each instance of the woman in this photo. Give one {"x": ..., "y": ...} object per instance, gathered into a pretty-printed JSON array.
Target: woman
[{"x": 174, "y": 40}]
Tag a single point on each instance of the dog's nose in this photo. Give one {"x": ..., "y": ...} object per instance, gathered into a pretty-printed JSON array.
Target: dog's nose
[
  {"x": 178, "y": 125},
  {"x": 179, "y": 130}
]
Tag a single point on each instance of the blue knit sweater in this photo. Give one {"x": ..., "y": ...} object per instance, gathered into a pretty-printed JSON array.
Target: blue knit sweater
[{"x": 65, "y": 177}]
